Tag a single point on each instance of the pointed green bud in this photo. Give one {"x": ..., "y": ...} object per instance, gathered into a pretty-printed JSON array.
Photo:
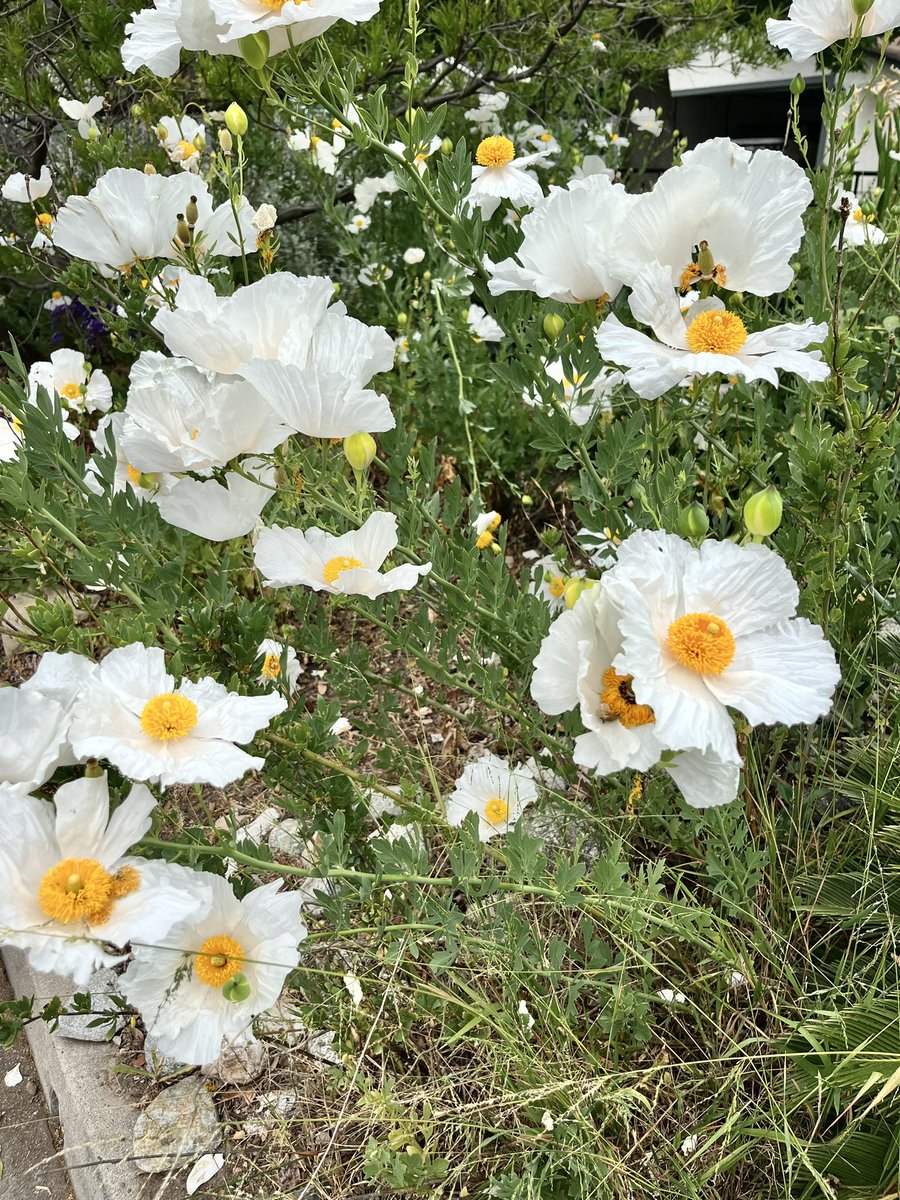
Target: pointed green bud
[
  {"x": 237, "y": 989},
  {"x": 527, "y": 501},
  {"x": 446, "y": 147},
  {"x": 92, "y": 769},
  {"x": 553, "y": 326},
  {"x": 192, "y": 213},
  {"x": 401, "y": 320},
  {"x": 762, "y": 512},
  {"x": 182, "y": 230},
  {"x": 236, "y": 119},
  {"x": 149, "y": 169},
  {"x": 254, "y": 49},
  {"x": 693, "y": 521},
  {"x": 572, "y": 590},
  {"x": 798, "y": 85},
  {"x": 736, "y": 299},
  {"x": 360, "y": 450},
  {"x": 161, "y": 132},
  {"x": 861, "y": 7}
]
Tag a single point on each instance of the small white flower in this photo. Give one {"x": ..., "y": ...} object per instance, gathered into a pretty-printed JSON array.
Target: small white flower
[
  {"x": 357, "y": 223},
  {"x": 609, "y": 137},
  {"x": 183, "y": 139},
  {"x": 84, "y": 114},
  {"x": 348, "y": 564},
  {"x": 592, "y": 164},
  {"x": 133, "y": 713},
  {"x": 597, "y": 43},
  {"x": 482, "y": 325},
  {"x": 524, "y": 1011},
  {"x": 486, "y": 525},
  {"x": 495, "y": 791},
  {"x": 68, "y": 376},
  {"x": 669, "y": 996},
  {"x": 340, "y": 726},
  {"x": 324, "y": 154},
  {"x": 374, "y": 273},
  {"x": 279, "y": 664},
  {"x": 25, "y": 189},
  {"x": 367, "y": 191},
  {"x": 354, "y": 987},
  {"x": 415, "y": 254},
  {"x": 419, "y": 154},
  {"x": 57, "y": 300},
  {"x": 647, "y": 121},
  {"x": 581, "y": 396},
  {"x": 499, "y": 174},
  {"x": 549, "y": 582},
  {"x": 859, "y": 228}
]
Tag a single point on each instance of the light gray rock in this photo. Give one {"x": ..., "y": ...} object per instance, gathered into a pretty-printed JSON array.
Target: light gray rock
[
  {"x": 101, "y": 986},
  {"x": 176, "y": 1128},
  {"x": 238, "y": 1063},
  {"x": 559, "y": 828}
]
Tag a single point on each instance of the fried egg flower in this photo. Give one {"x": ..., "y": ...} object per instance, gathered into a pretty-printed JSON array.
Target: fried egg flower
[
  {"x": 581, "y": 396},
  {"x": 324, "y": 154},
  {"x": 83, "y": 112},
  {"x": 647, "y": 121},
  {"x": 33, "y": 737},
  {"x": 279, "y": 665},
  {"x": 135, "y": 715},
  {"x": 548, "y": 581},
  {"x": 207, "y": 980},
  {"x": 814, "y": 25},
  {"x": 747, "y": 210},
  {"x": 108, "y": 440},
  {"x": 25, "y": 189},
  {"x": 494, "y": 790},
  {"x": 576, "y": 668},
  {"x": 69, "y": 376},
  {"x": 499, "y": 174},
  {"x": 709, "y": 629},
  {"x": 706, "y": 340},
  {"x": 419, "y": 155},
  {"x": 218, "y": 510},
  {"x": 486, "y": 525},
  {"x": 183, "y": 140},
  {"x": 859, "y": 228},
  {"x": 567, "y": 243},
  {"x": 71, "y": 891},
  {"x": 128, "y": 215},
  {"x": 345, "y": 565},
  {"x": 482, "y": 325}
]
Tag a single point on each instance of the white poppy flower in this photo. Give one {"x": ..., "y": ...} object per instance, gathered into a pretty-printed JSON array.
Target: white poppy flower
[
  {"x": 418, "y": 154},
  {"x": 576, "y": 667},
  {"x": 367, "y": 191},
  {"x": 609, "y": 137},
  {"x": 486, "y": 114},
  {"x": 134, "y": 714},
  {"x": 814, "y": 25},
  {"x": 357, "y": 223},
  {"x": 348, "y": 564},
  {"x": 207, "y": 979},
  {"x": 33, "y": 737},
  {"x": 482, "y": 325},
  {"x": 279, "y": 664},
  {"x": 592, "y": 164},
  {"x": 747, "y": 210},
  {"x": 374, "y": 273},
  {"x": 859, "y": 228},
  {"x": 128, "y": 215},
  {"x": 324, "y": 154},
  {"x": 183, "y": 139},
  {"x": 486, "y": 525},
  {"x": 414, "y": 255},
  {"x": 181, "y": 418},
  {"x": 704, "y": 630},
  {"x": 568, "y": 240},
  {"x": 494, "y": 790},
  {"x": 499, "y": 174},
  {"x": 69, "y": 376},
  {"x": 597, "y": 43},
  {"x": 538, "y": 137},
  {"x": 219, "y": 511},
  {"x": 581, "y": 396},
  {"x": 549, "y": 582},
  {"x": 25, "y": 189},
  {"x": 83, "y": 113},
  {"x": 71, "y": 889},
  {"x": 646, "y": 120},
  {"x": 265, "y": 218},
  {"x": 707, "y": 339}
]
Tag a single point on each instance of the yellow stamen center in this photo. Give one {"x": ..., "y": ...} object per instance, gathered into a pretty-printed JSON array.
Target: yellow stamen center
[
  {"x": 134, "y": 475},
  {"x": 71, "y": 391},
  {"x": 495, "y": 152},
  {"x": 335, "y": 566},
  {"x": 81, "y": 889},
  {"x": 168, "y": 717},
  {"x": 620, "y": 702},
  {"x": 716, "y": 332},
  {"x": 271, "y": 667},
  {"x": 702, "y": 643},
  {"x": 56, "y": 295},
  {"x": 484, "y": 540},
  {"x": 496, "y": 811},
  {"x": 43, "y": 220},
  {"x": 218, "y": 959},
  {"x": 556, "y": 585},
  {"x": 545, "y": 137},
  {"x": 188, "y": 149}
]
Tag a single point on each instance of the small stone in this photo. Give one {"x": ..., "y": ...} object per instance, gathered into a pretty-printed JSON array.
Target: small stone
[
  {"x": 238, "y": 1063},
  {"x": 273, "y": 1108},
  {"x": 176, "y": 1128},
  {"x": 285, "y": 839},
  {"x": 559, "y": 828},
  {"x": 78, "y": 1026}
]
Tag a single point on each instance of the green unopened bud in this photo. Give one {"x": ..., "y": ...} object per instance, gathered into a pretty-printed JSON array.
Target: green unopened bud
[
  {"x": 401, "y": 320},
  {"x": 861, "y": 7},
  {"x": 192, "y": 213},
  {"x": 254, "y": 49},
  {"x": 161, "y": 132},
  {"x": 798, "y": 85},
  {"x": 736, "y": 299},
  {"x": 182, "y": 229},
  {"x": 92, "y": 769},
  {"x": 693, "y": 521},
  {"x": 495, "y": 548},
  {"x": 237, "y": 988},
  {"x": 236, "y": 119},
  {"x": 226, "y": 141},
  {"x": 426, "y": 277},
  {"x": 527, "y": 501},
  {"x": 706, "y": 260},
  {"x": 149, "y": 169},
  {"x": 553, "y": 326},
  {"x": 762, "y": 512},
  {"x": 446, "y": 146},
  {"x": 360, "y": 450}
]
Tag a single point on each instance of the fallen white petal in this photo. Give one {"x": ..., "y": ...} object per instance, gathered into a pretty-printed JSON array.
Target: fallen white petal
[
  {"x": 202, "y": 1171},
  {"x": 353, "y": 986},
  {"x": 13, "y": 1077}
]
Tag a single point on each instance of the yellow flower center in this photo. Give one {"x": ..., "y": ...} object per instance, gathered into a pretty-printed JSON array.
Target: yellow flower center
[
  {"x": 702, "y": 643},
  {"x": 495, "y": 152},
  {"x": 335, "y": 566},
  {"x": 218, "y": 959},
  {"x": 168, "y": 717},
  {"x": 556, "y": 585},
  {"x": 134, "y": 475},
  {"x": 81, "y": 889},
  {"x": 271, "y": 667},
  {"x": 56, "y": 295},
  {"x": 188, "y": 149},
  {"x": 496, "y": 811},
  {"x": 484, "y": 540},
  {"x": 716, "y": 332},
  {"x": 43, "y": 220},
  {"x": 71, "y": 391},
  {"x": 859, "y": 216},
  {"x": 620, "y": 702}
]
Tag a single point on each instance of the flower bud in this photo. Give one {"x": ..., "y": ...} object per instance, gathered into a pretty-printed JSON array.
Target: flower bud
[
  {"x": 192, "y": 213},
  {"x": 254, "y": 49},
  {"x": 226, "y": 142},
  {"x": 360, "y": 450},
  {"x": 402, "y": 319},
  {"x": 575, "y": 588},
  {"x": 861, "y": 7},
  {"x": 553, "y": 326},
  {"x": 161, "y": 132},
  {"x": 798, "y": 85},
  {"x": 527, "y": 501},
  {"x": 236, "y": 119},
  {"x": 762, "y": 512},
  {"x": 237, "y": 989},
  {"x": 736, "y": 299},
  {"x": 706, "y": 260},
  {"x": 182, "y": 230},
  {"x": 149, "y": 169},
  {"x": 93, "y": 770},
  {"x": 693, "y": 521},
  {"x": 446, "y": 147}
]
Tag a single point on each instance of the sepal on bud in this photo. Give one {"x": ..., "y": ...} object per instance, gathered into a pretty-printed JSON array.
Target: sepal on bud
[
  {"x": 693, "y": 521},
  {"x": 254, "y": 50},
  {"x": 236, "y": 119},
  {"x": 763, "y": 512}
]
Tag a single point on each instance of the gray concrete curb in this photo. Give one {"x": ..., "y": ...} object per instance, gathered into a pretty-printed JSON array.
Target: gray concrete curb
[{"x": 96, "y": 1118}]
